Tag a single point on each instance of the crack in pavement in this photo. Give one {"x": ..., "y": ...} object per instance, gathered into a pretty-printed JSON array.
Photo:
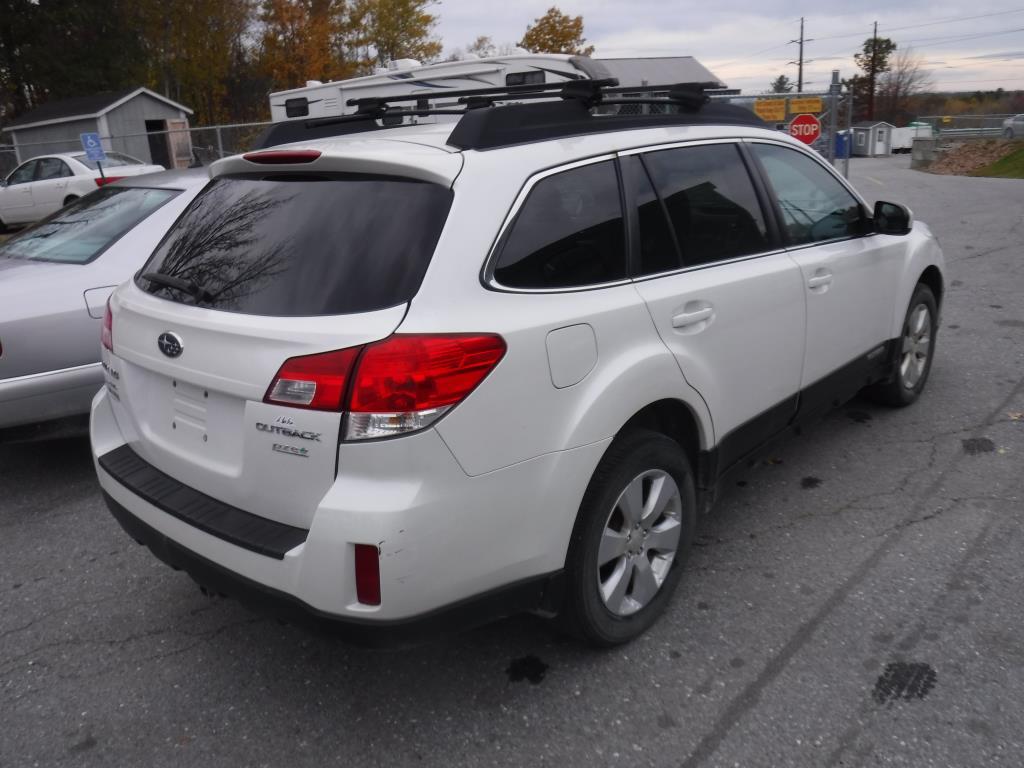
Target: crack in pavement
[{"x": 749, "y": 697}]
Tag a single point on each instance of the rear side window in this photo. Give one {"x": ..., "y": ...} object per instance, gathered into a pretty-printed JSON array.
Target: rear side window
[
  {"x": 815, "y": 206},
  {"x": 568, "y": 234},
  {"x": 302, "y": 245},
  {"x": 710, "y": 201}
]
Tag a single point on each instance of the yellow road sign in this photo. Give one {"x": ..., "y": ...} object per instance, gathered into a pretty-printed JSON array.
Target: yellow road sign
[
  {"x": 803, "y": 105},
  {"x": 770, "y": 110}
]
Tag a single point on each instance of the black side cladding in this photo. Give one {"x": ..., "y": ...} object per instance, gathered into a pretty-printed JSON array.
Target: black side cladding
[{"x": 244, "y": 529}]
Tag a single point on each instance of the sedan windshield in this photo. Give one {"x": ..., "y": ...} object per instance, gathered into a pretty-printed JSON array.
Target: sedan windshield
[
  {"x": 80, "y": 232},
  {"x": 114, "y": 160}
]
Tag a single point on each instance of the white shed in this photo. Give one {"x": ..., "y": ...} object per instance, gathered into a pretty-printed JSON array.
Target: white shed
[{"x": 872, "y": 139}]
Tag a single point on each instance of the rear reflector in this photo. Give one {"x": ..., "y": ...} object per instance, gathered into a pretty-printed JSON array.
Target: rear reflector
[
  {"x": 367, "y": 574},
  {"x": 107, "y": 333},
  {"x": 107, "y": 180},
  {"x": 283, "y": 156}
]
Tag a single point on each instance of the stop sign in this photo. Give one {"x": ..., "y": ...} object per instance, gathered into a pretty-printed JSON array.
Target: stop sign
[{"x": 805, "y": 128}]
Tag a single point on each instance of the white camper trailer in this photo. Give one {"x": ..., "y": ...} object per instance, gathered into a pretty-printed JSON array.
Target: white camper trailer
[{"x": 408, "y": 76}]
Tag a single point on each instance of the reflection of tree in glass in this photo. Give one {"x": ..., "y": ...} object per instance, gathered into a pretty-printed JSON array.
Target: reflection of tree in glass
[{"x": 208, "y": 244}]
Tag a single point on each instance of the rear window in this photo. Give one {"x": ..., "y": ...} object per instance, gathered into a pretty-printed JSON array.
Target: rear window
[
  {"x": 80, "y": 232},
  {"x": 113, "y": 160},
  {"x": 302, "y": 245}
]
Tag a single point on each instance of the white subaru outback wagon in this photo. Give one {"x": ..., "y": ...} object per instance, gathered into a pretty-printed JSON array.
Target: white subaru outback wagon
[{"x": 400, "y": 379}]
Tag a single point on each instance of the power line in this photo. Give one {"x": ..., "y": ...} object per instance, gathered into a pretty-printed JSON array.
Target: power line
[
  {"x": 940, "y": 41},
  {"x": 948, "y": 20}
]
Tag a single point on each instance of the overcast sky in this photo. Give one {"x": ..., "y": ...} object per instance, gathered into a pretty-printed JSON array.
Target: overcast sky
[{"x": 745, "y": 43}]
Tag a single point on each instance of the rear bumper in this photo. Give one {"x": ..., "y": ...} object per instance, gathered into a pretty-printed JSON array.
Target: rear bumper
[
  {"x": 454, "y": 550},
  {"x": 48, "y": 395},
  {"x": 526, "y": 595}
]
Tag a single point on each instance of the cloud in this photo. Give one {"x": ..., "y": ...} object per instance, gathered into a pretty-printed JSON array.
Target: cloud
[{"x": 747, "y": 44}]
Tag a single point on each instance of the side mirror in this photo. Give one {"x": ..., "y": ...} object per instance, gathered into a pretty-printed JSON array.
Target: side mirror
[{"x": 892, "y": 218}]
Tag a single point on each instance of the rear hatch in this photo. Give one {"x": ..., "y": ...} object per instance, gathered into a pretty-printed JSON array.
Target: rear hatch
[{"x": 264, "y": 266}]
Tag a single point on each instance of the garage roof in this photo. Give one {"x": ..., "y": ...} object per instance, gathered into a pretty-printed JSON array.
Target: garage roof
[{"x": 83, "y": 108}]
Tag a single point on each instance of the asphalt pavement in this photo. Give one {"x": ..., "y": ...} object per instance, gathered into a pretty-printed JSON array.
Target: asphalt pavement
[{"x": 855, "y": 600}]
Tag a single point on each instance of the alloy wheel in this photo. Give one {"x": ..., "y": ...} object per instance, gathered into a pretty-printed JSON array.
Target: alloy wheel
[{"x": 639, "y": 542}]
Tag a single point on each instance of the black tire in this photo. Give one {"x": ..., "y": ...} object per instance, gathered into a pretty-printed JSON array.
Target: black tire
[
  {"x": 585, "y": 612},
  {"x": 70, "y": 199},
  {"x": 901, "y": 389},
  {"x": 1008, "y": 133}
]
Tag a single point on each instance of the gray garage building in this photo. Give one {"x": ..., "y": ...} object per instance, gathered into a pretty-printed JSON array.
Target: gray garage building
[{"x": 127, "y": 121}]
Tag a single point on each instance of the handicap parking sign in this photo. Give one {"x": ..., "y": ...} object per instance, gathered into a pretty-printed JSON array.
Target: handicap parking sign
[{"x": 93, "y": 147}]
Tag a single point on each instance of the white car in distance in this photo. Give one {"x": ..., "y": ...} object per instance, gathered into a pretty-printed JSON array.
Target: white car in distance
[{"x": 45, "y": 184}]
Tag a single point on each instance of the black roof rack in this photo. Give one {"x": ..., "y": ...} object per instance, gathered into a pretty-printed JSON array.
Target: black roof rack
[{"x": 534, "y": 114}]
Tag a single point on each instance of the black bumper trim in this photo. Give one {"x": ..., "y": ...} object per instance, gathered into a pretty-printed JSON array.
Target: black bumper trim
[
  {"x": 244, "y": 529},
  {"x": 537, "y": 593}
]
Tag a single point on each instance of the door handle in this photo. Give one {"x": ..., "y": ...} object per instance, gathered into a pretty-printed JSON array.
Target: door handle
[
  {"x": 820, "y": 280},
  {"x": 684, "y": 319}
]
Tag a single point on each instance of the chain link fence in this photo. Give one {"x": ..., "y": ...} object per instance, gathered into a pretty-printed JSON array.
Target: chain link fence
[
  {"x": 175, "y": 148},
  {"x": 8, "y": 159},
  {"x": 952, "y": 126}
]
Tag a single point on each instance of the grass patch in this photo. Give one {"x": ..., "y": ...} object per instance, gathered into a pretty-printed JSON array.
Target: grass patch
[{"x": 1009, "y": 167}]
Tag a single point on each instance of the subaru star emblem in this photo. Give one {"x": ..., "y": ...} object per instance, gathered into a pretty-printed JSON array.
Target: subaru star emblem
[{"x": 170, "y": 344}]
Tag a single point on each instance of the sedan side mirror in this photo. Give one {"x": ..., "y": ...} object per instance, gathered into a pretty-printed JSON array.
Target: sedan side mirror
[{"x": 892, "y": 218}]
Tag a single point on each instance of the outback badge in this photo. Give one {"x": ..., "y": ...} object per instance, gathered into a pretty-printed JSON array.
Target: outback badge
[{"x": 170, "y": 344}]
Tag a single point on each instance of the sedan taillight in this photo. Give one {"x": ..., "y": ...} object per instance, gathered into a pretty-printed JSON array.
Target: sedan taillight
[
  {"x": 107, "y": 334},
  {"x": 401, "y": 384},
  {"x": 102, "y": 181}
]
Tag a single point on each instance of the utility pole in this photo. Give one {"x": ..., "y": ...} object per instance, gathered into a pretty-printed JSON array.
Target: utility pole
[
  {"x": 871, "y": 74},
  {"x": 800, "y": 58}
]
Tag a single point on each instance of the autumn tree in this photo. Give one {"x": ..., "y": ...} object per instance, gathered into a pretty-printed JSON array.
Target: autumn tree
[
  {"x": 385, "y": 30},
  {"x": 483, "y": 47},
  {"x": 306, "y": 40},
  {"x": 781, "y": 84},
  {"x": 55, "y": 49},
  {"x": 905, "y": 78},
  {"x": 556, "y": 32}
]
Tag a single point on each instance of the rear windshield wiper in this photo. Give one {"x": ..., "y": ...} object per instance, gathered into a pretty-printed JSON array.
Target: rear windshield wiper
[{"x": 198, "y": 292}]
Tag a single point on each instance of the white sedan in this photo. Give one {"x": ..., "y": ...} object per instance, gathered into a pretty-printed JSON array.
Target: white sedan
[{"x": 43, "y": 185}]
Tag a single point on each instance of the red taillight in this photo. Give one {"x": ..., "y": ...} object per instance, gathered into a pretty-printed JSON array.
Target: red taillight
[
  {"x": 313, "y": 381},
  {"x": 401, "y": 384},
  {"x": 367, "y": 574},
  {"x": 107, "y": 180},
  {"x": 107, "y": 334},
  {"x": 419, "y": 372},
  {"x": 282, "y": 156}
]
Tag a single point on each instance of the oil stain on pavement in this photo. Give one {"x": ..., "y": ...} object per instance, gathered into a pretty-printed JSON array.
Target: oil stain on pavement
[
  {"x": 526, "y": 668},
  {"x": 904, "y": 680},
  {"x": 975, "y": 445}
]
